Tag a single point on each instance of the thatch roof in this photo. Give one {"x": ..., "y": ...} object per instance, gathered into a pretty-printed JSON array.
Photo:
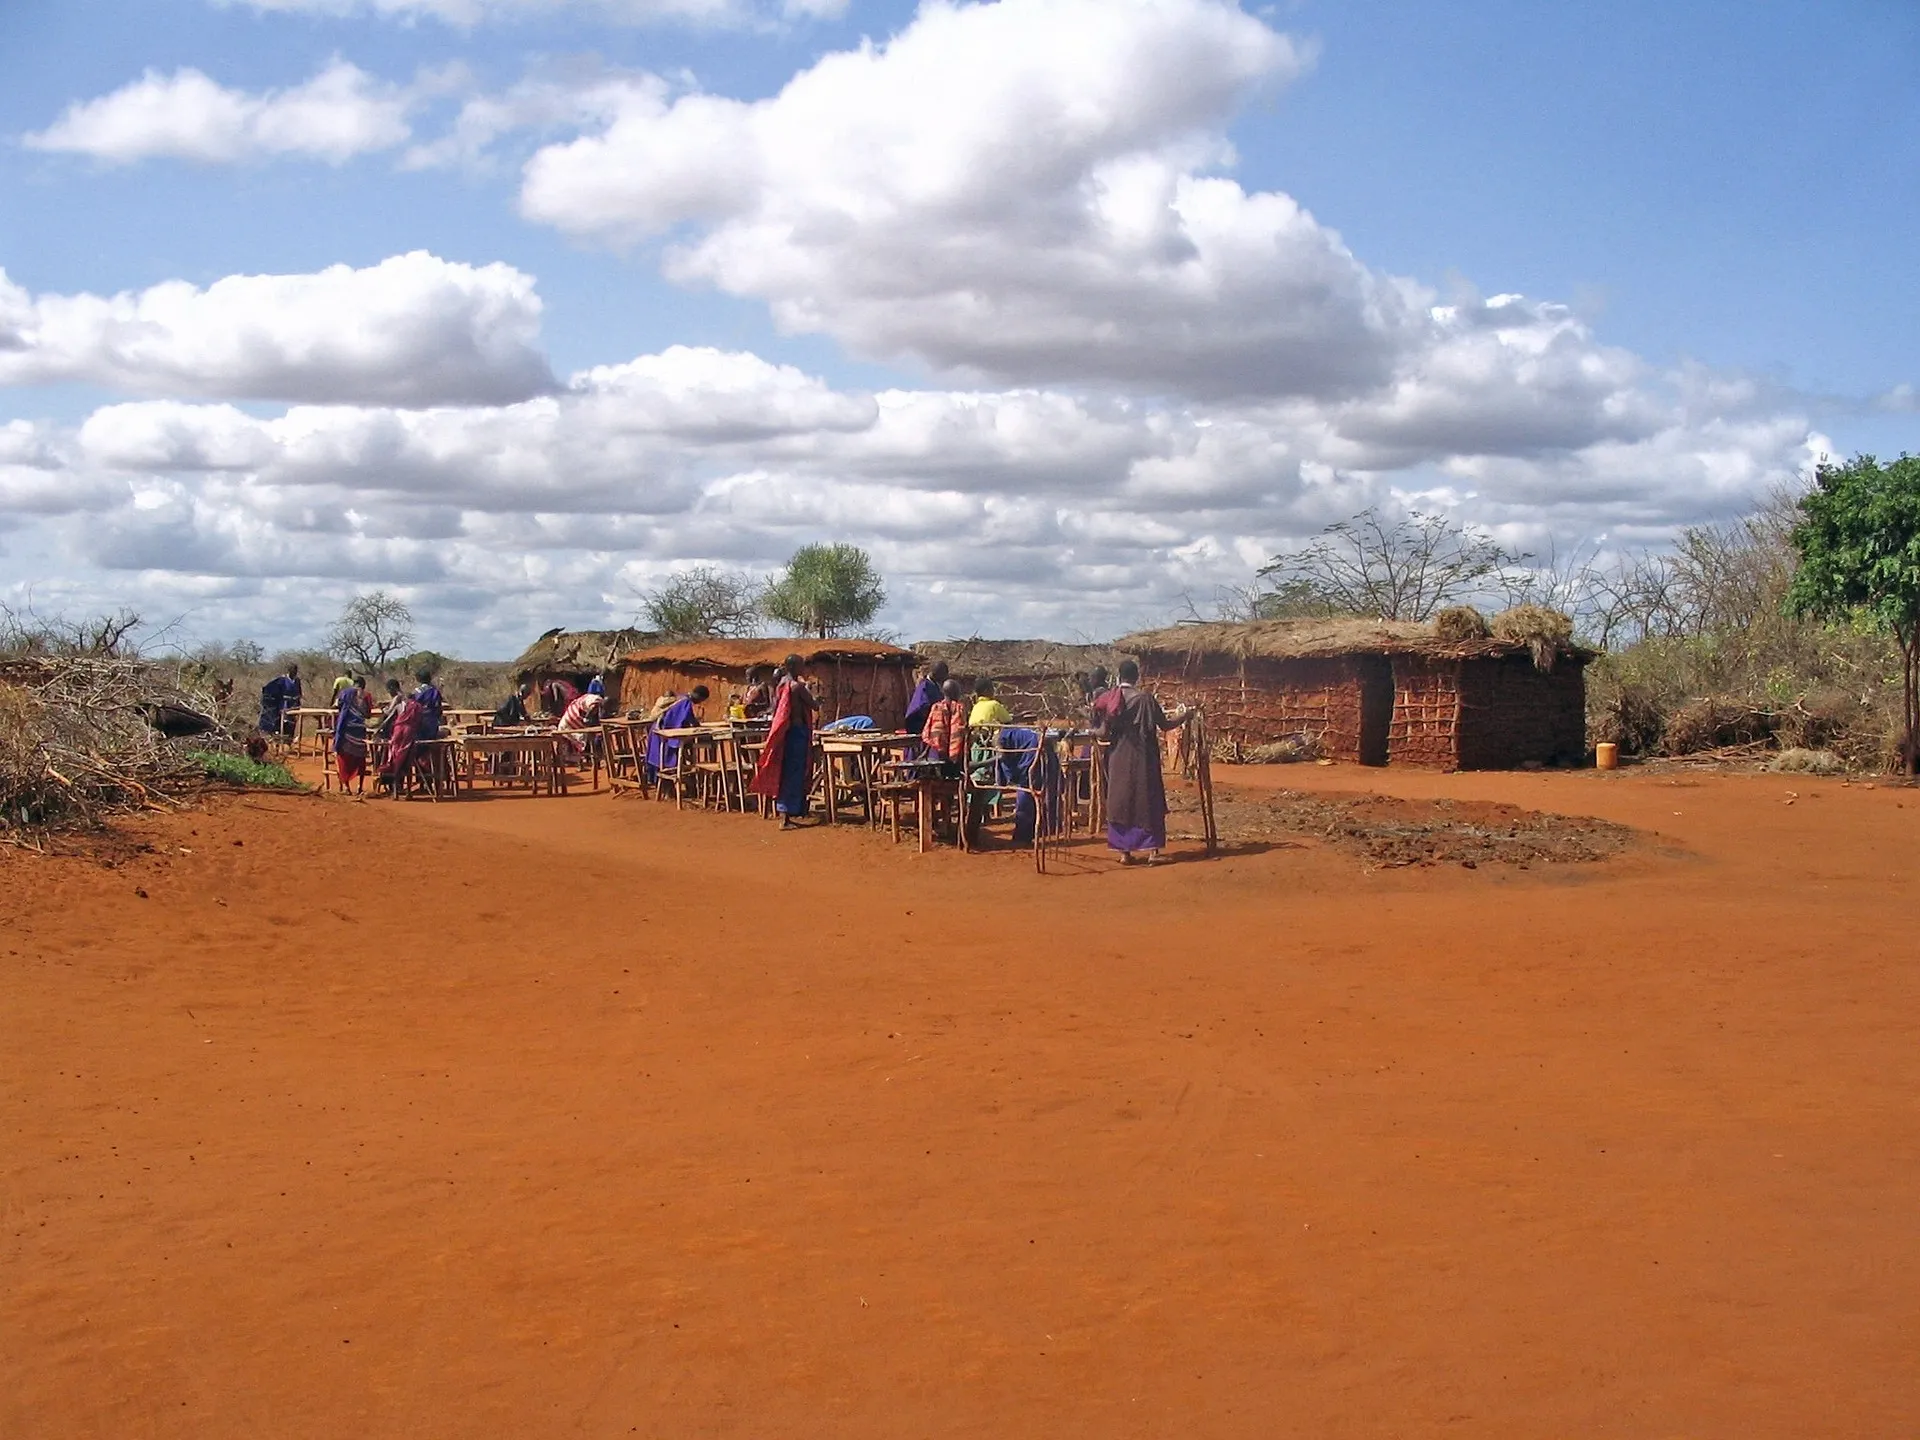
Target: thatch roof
[
  {"x": 1008, "y": 659},
  {"x": 739, "y": 654},
  {"x": 1317, "y": 639},
  {"x": 582, "y": 652}
]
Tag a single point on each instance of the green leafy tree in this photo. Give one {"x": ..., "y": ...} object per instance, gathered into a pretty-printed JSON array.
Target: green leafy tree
[
  {"x": 1858, "y": 540},
  {"x": 826, "y": 590}
]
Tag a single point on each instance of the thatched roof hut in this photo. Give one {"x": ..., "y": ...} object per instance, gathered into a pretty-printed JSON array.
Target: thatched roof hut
[
  {"x": 1378, "y": 692},
  {"x": 850, "y": 677},
  {"x": 1036, "y": 679},
  {"x": 576, "y": 656}
]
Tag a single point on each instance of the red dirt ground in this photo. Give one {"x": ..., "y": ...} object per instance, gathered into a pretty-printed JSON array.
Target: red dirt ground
[{"x": 581, "y": 1117}]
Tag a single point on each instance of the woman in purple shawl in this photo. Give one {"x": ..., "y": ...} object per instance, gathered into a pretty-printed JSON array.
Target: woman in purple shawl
[
  {"x": 1136, "y": 791},
  {"x": 663, "y": 752}
]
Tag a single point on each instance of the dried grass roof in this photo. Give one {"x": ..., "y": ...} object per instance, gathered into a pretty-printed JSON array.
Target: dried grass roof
[
  {"x": 1317, "y": 640},
  {"x": 584, "y": 652},
  {"x": 1005, "y": 659},
  {"x": 739, "y": 654}
]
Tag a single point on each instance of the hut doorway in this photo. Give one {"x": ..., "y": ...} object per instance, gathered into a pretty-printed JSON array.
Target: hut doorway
[{"x": 1376, "y": 706}]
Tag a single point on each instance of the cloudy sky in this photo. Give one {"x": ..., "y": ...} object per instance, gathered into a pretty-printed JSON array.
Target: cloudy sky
[{"x": 1065, "y": 309}]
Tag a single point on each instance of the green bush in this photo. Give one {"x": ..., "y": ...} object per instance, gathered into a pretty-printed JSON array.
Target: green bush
[{"x": 239, "y": 770}]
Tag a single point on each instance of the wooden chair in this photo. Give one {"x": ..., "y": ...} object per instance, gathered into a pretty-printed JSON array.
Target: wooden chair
[
  {"x": 749, "y": 740},
  {"x": 626, "y": 753},
  {"x": 681, "y": 771}
]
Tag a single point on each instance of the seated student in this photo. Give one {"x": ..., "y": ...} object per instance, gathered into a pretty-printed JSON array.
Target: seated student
[
  {"x": 513, "y": 710},
  {"x": 663, "y": 752},
  {"x": 945, "y": 733},
  {"x": 986, "y": 709},
  {"x": 757, "y": 699}
]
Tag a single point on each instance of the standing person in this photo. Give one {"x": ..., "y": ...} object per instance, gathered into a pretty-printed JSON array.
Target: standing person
[
  {"x": 342, "y": 682},
  {"x": 945, "y": 732},
  {"x": 427, "y": 696},
  {"x": 390, "y": 707},
  {"x": 784, "y": 773},
  {"x": 663, "y": 752},
  {"x": 401, "y": 725},
  {"x": 1136, "y": 790},
  {"x": 925, "y": 696},
  {"x": 556, "y": 695},
  {"x": 279, "y": 698},
  {"x": 582, "y": 714},
  {"x": 597, "y": 685},
  {"x": 350, "y": 735}
]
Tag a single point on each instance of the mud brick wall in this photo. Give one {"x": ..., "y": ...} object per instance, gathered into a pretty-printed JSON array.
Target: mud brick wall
[
  {"x": 847, "y": 687},
  {"x": 1511, "y": 712},
  {"x": 1425, "y": 729},
  {"x": 1257, "y": 701}
]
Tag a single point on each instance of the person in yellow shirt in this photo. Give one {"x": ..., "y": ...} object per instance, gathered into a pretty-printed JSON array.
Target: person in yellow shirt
[{"x": 986, "y": 709}]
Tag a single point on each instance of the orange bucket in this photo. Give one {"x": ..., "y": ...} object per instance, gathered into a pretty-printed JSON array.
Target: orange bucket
[{"x": 1606, "y": 756}]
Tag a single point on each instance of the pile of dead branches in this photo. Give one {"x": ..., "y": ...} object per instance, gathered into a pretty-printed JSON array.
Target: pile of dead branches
[{"x": 77, "y": 745}]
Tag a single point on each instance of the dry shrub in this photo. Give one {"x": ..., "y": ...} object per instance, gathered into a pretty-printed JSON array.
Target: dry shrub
[
  {"x": 1714, "y": 722},
  {"x": 1542, "y": 630},
  {"x": 1289, "y": 750},
  {"x": 1461, "y": 622},
  {"x": 1633, "y": 718},
  {"x": 75, "y": 745},
  {"x": 1799, "y": 760}
]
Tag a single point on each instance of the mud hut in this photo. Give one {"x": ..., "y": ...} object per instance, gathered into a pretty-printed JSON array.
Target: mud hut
[
  {"x": 576, "y": 656},
  {"x": 1035, "y": 679},
  {"x": 1376, "y": 692},
  {"x": 850, "y": 677}
]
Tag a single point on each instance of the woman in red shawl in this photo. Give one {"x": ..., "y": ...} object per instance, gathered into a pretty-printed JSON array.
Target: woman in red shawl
[{"x": 784, "y": 774}]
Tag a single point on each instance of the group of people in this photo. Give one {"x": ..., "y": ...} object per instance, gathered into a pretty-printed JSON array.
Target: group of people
[
  {"x": 407, "y": 721},
  {"x": 1125, "y": 721},
  {"x": 1123, "y": 718}
]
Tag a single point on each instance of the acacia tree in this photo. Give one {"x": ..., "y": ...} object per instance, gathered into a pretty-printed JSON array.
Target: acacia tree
[
  {"x": 373, "y": 629},
  {"x": 1404, "y": 569},
  {"x": 703, "y": 602},
  {"x": 825, "y": 590},
  {"x": 1858, "y": 540}
]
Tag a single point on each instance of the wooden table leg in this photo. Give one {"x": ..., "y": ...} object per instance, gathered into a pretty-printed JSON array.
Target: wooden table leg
[{"x": 923, "y": 812}]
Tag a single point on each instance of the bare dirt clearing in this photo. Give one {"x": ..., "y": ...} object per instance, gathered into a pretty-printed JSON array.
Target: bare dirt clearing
[{"x": 586, "y": 1117}]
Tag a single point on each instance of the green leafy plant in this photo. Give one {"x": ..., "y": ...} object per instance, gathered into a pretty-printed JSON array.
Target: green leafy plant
[
  {"x": 826, "y": 590},
  {"x": 1858, "y": 540},
  {"x": 239, "y": 770}
]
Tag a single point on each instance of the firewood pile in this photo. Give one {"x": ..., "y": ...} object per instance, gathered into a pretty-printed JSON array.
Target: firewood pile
[{"x": 81, "y": 740}]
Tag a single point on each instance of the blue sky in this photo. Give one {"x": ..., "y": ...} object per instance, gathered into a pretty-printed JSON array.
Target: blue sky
[{"x": 1703, "y": 206}]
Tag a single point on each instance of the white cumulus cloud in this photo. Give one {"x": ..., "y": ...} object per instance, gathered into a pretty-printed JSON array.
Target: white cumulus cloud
[
  {"x": 338, "y": 114},
  {"x": 412, "y": 330},
  {"x": 466, "y": 13}
]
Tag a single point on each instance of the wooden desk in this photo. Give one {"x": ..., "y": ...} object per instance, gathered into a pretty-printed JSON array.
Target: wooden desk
[
  {"x": 866, "y": 749},
  {"x": 309, "y": 722},
  {"x": 535, "y": 755}
]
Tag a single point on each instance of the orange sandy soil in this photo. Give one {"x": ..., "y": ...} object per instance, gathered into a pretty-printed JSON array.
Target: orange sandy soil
[{"x": 583, "y": 1117}]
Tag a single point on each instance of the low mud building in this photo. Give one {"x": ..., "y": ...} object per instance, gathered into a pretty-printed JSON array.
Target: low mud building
[
  {"x": 576, "y": 656},
  {"x": 1375, "y": 692},
  {"x": 850, "y": 677}
]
